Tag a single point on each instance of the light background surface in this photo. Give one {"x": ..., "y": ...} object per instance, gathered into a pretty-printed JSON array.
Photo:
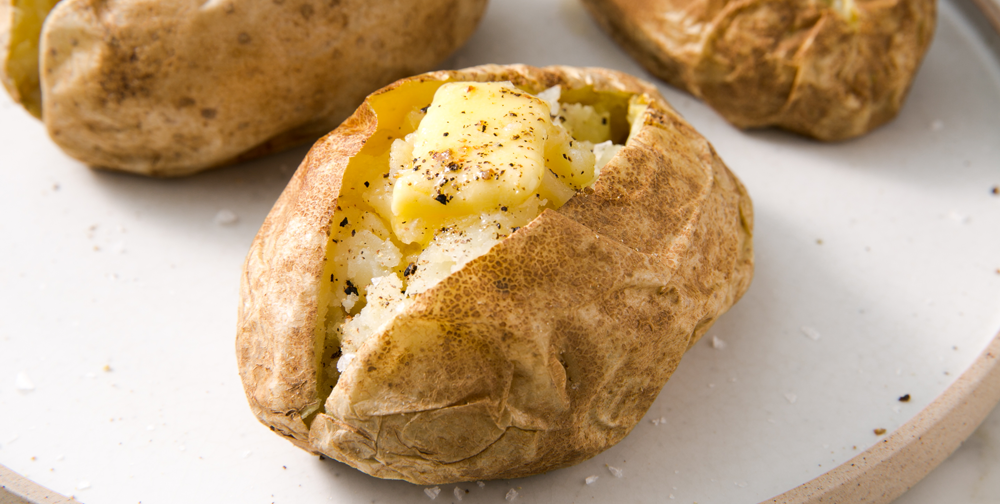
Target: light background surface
[{"x": 887, "y": 247}]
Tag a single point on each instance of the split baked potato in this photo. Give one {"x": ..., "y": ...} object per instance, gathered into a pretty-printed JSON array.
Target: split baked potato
[
  {"x": 829, "y": 69},
  {"x": 172, "y": 87},
  {"x": 488, "y": 273}
]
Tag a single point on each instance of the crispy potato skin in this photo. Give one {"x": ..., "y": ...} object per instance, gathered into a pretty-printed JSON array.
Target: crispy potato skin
[
  {"x": 172, "y": 87},
  {"x": 538, "y": 355},
  {"x": 795, "y": 64}
]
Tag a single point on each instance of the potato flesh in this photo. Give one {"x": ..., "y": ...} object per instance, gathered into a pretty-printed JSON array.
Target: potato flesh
[
  {"x": 385, "y": 248},
  {"x": 481, "y": 146},
  {"x": 21, "y": 72}
]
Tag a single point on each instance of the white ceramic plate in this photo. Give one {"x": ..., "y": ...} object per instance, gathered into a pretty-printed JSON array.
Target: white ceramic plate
[{"x": 877, "y": 276}]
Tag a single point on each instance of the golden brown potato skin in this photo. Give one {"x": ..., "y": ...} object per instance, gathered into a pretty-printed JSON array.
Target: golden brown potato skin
[
  {"x": 172, "y": 87},
  {"x": 538, "y": 355},
  {"x": 795, "y": 64}
]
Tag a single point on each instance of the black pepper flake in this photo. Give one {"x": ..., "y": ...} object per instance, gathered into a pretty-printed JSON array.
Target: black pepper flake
[
  {"x": 905, "y": 398},
  {"x": 350, "y": 289},
  {"x": 331, "y": 277},
  {"x": 410, "y": 269},
  {"x": 445, "y": 133},
  {"x": 424, "y": 110},
  {"x": 503, "y": 209},
  {"x": 343, "y": 222},
  {"x": 996, "y": 190},
  {"x": 353, "y": 231},
  {"x": 513, "y": 229},
  {"x": 366, "y": 183},
  {"x": 604, "y": 120},
  {"x": 442, "y": 199}
]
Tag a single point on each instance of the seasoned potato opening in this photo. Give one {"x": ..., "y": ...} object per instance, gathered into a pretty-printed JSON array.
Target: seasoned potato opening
[
  {"x": 452, "y": 170},
  {"x": 22, "y": 78}
]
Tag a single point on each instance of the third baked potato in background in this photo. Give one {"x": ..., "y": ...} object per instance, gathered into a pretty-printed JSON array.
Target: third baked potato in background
[
  {"x": 172, "y": 87},
  {"x": 829, "y": 69}
]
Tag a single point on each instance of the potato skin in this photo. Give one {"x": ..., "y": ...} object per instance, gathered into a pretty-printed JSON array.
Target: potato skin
[
  {"x": 795, "y": 64},
  {"x": 172, "y": 87},
  {"x": 538, "y": 355}
]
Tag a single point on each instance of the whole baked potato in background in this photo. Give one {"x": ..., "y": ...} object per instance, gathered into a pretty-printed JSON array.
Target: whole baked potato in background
[
  {"x": 540, "y": 353},
  {"x": 172, "y": 87},
  {"x": 829, "y": 69}
]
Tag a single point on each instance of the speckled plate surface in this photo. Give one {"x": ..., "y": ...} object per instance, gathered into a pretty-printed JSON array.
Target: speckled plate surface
[{"x": 878, "y": 276}]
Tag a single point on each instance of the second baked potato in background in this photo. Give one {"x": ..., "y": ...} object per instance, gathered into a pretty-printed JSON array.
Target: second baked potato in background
[
  {"x": 829, "y": 69},
  {"x": 172, "y": 87}
]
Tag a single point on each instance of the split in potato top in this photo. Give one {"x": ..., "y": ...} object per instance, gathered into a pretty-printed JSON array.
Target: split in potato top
[
  {"x": 488, "y": 273},
  {"x": 829, "y": 69},
  {"x": 461, "y": 173}
]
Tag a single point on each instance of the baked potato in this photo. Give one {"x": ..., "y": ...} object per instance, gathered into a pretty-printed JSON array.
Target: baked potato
[
  {"x": 172, "y": 87},
  {"x": 828, "y": 69},
  {"x": 488, "y": 273}
]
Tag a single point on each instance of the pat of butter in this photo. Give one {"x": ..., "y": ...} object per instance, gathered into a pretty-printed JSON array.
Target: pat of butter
[{"x": 480, "y": 146}]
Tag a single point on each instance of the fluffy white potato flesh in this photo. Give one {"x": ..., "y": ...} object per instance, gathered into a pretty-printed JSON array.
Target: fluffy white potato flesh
[{"x": 450, "y": 173}]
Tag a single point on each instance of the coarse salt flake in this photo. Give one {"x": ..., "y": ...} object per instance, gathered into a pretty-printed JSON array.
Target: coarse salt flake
[
  {"x": 791, "y": 397},
  {"x": 459, "y": 493},
  {"x": 432, "y": 492},
  {"x": 83, "y": 485},
  {"x": 671, "y": 496},
  {"x": 481, "y": 484},
  {"x": 616, "y": 472},
  {"x": 511, "y": 495},
  {"x": 226, "y": 217},
  {"x": 717, "y": 343},
  {"x": 590, "y": 480},
  {"x": 23, "y": 383},
  {"x": 658, "y": 421},
  {"x": 345, "y": 360},
  {"x": 810, "y": 333},
  {"x": 959, "y": 217}
]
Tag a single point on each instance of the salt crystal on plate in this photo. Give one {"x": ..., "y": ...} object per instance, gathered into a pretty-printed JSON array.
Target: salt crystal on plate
[
  {"x": 150, "y": 427},
  {"x": 717, "y": 343},
  {"x": 459, "y": 493},
  {"x": 23, "y": 383},
  {"x": 791, "y": 397},
  {"x": 432, "y": 492},
  {"x": 226, "y": 217},
  {"x": 83, "y": 485},
  {"x": 811, "y": 333},
  {"x": 247, "y": 454},
  {"x": 671, "y": 496},
  {"x": 959, "y": 218},
  {"x": 511, "y": 495},
  {"x": 481, "y": 484},
  {"x": 590, "y": 480},
  {"x": 615, "y": 471}
]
